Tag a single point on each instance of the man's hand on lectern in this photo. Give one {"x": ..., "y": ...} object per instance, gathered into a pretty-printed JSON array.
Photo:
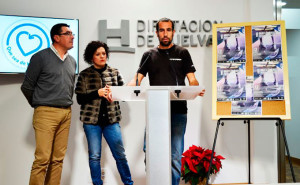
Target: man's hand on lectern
[{"x": 202, "y": 93}]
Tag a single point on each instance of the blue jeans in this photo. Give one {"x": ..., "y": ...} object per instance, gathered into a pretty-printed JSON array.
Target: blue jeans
[
  {"x": 113, "y": 137},
  {"x": 178, "y": 127}
]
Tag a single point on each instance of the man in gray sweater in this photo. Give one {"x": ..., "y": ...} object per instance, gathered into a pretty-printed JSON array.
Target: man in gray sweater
[{"x": 48, "y": 86}]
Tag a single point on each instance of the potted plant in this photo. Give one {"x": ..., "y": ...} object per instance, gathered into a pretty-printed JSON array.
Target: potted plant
[{"x": 195, "y": 164}]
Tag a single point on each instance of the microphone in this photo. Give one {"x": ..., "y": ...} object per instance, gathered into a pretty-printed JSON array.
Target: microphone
[
  {"x": 137, "y": 74},
  {"x": 174, "y": 70}
]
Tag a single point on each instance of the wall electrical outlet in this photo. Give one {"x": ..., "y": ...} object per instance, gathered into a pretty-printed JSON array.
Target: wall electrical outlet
[{"x": 103, "y": 174}]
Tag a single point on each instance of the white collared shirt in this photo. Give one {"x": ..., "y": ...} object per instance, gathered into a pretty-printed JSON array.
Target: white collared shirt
[{"x": 57, "y": 54}]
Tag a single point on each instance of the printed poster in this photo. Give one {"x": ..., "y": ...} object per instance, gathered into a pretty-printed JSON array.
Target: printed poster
[
  {"x": 266, "y": 42},
  {"x": 231, "y": 44},
  {"x": 268, "y": 80},
  {"x": 231, "y": 81},
  {"x": 246, "y": 107}
]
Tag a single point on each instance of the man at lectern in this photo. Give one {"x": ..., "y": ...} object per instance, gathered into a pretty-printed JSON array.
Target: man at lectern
[{"x": 168, "y": 65}]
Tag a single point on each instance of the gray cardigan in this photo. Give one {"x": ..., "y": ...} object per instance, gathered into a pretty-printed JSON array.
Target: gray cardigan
[{"x": 49, "y": 81}]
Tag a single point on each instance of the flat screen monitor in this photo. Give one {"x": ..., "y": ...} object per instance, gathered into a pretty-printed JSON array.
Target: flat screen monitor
[{"x": 23, "y": 36}]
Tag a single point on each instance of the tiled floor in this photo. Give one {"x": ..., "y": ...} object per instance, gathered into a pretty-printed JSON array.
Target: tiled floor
[{"x": 296, "y": 167}]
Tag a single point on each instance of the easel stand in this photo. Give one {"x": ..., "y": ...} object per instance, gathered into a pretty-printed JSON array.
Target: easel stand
[{"x": 279, "y": 123}]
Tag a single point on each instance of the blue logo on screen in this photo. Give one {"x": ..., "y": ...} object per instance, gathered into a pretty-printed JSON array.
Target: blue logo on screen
[
  {"x": 32, "y": 38},
  {"x": 23, "y": 40}
]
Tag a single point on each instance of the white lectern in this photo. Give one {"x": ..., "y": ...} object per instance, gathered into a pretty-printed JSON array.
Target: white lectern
[{"x": 158, "y": 130}]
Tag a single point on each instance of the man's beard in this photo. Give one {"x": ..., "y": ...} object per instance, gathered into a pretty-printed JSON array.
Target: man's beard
[{"x": 166, "y": 44}]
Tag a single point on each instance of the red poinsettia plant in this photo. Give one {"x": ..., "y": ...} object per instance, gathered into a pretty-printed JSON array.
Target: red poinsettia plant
[{"x": 195, "y": 164}]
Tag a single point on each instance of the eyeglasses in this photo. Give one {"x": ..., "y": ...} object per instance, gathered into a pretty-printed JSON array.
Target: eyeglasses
[{"x": 67, "y": 34}]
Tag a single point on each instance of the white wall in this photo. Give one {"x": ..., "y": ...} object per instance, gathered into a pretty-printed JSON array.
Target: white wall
[
  {"x": 16, "y": 133},
  {"x": 291, "y": 18},
  {"x": 293, "y": 126}
]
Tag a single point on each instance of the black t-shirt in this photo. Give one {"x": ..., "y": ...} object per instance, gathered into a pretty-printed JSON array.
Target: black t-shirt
[{"x": 168, "y": 67}]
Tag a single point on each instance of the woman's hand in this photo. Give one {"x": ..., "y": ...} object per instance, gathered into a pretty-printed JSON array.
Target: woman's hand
[
  {"x": 109, "y": 98},
  {"x": 105, "y": 92}
]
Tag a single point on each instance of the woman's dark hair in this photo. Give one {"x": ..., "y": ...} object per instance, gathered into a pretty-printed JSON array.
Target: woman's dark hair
[{"x": 91, "y": 49}]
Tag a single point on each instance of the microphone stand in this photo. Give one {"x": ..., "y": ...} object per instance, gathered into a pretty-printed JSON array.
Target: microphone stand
[
  {"x": 137, "y": 75},
  {"x": 177, "y": 91}
]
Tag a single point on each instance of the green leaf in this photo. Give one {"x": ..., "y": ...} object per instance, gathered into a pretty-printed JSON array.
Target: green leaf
[
  {"x": 215, "y": 168},
  {"x": 186, "y": 171},
  {"x": 195, "y": 181},
  {"x": 198, "y": 168}
]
